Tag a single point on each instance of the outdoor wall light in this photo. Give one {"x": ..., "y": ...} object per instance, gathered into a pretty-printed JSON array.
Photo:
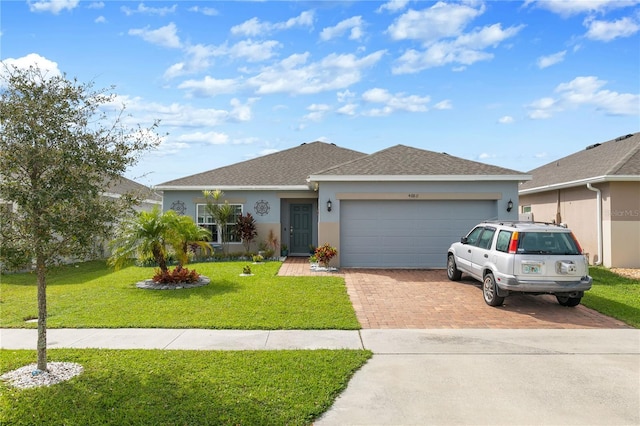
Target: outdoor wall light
[
  {"x": 329, "y": 205},
  {"x": 509, "y": 205}
]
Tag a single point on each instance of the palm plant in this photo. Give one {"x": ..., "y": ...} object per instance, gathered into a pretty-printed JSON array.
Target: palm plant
[
  {"x": 185, "y": 233},
  {"x": 222, "y": 213},
  {"x": 144, "y": 235}
]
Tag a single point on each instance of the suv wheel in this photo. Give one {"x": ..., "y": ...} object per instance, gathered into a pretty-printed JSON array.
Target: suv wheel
[
  {"x": 452, "y": 270},
  {"x": 490, "y": 292},
  {"x": 568, "y": 301}
]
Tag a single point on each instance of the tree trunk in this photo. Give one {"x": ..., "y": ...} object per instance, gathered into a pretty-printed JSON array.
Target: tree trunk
[{"x": 42, "y": 314}]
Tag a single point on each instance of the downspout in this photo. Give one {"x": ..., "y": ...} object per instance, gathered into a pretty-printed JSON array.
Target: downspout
[{"x": 599, "y": 220}]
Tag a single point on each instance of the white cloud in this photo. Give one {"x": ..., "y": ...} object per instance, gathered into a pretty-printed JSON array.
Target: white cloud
[
  {"x": 96, "y": 5},
  {"x": 240, "y": 111},
  {"x": 352, "y": 25},
  {"x": 208, "y": 11},
  {"x": 507, "y": 119},
  {"x": 345, "y": 95},
  {"x": 394, "y": 102},
  {"x": 610, "y": 30},
  {"x": 393, "y": 6},
  {"x": 429, "y": 25},
  {"x": 446, "y": 104},
  {"x": 547, "y": 61},
  {"x": 293, "y": 74},
  {"x": 253, "y": 27},
  {"x": 164, "y": 36},
  {"x": 210, "y": 138},
  {"x": 254, "y": 51},
  {"x": 486, "y": 156},
  {"x": 586, "y": 91},
  {"x": 100, "y": 20},
  {"x": 53, "y": 6},
  {"x": 209, "y": 86},
  {"x": 566, "y": 8},
  {"x": 317, "y": 112},
  {"x": 347, "y": 109},
  {"x": 466, "y": 49},
  {"x": 160, "y": 11},
  {"x": 48, "y": 68}
]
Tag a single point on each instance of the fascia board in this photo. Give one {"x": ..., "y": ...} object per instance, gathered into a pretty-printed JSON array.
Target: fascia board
[
  {"x": 414, "y": 178},
  {"x": 233, "y": 188},
  {"x": 581, "y": 182}
]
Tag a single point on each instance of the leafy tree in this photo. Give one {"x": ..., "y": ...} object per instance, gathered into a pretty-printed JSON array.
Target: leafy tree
[
  {"x": 245, "y": 229},
  {"x": 60, "y": 151}
]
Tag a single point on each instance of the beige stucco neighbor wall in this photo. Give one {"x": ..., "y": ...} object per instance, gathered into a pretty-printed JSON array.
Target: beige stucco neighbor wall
[
  {"x": 577, "y": 207},
  {"x": 623, "y": 217}
]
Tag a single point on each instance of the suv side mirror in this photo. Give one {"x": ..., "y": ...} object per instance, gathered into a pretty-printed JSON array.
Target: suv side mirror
[{"x": 463, "y": 240}]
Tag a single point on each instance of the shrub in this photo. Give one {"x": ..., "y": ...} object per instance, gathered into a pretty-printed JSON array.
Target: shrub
[
  {"x": 246, "y": 270},
  {"x": 176, "y": 276},
  {"x": 325, "y": 253}
]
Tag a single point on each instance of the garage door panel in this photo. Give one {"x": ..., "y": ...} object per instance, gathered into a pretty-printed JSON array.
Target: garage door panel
[{"x": 405, "y": 234}]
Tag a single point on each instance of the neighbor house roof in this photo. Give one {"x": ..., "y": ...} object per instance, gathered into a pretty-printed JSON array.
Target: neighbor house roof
[
  {"x": 402, "y": 162},
  {"x": 617, "y": 159},
  {"x": 128, "y": 186},
  {"x": 284, "y": 169}
]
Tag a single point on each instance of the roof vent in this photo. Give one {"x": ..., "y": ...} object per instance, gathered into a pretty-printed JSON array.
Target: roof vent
[
  {"x": 621, "y": 138},
  {"x": 595, "y": 145}
]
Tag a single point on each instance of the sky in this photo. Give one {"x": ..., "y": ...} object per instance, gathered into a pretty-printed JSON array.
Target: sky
[{"x": 507, "y": 83}]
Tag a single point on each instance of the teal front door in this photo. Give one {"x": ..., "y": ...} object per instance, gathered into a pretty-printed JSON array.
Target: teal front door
[{"x": 300, "y": 232}]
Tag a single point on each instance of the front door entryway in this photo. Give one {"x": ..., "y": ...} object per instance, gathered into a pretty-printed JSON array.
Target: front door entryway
[{"x": 301, "y": 231}]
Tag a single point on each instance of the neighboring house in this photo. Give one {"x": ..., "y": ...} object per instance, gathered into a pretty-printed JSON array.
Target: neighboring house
[
  {"x": 397, "y": 208},
  {"x": 596, "y": 192},
  {"x": 149, "y": 198}
]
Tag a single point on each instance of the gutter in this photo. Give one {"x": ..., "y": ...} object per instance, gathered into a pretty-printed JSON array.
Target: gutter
[{"x": 599, "y": 220}]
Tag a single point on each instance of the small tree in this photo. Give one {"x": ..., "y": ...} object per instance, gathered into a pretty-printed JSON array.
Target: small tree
[
  {"x": 245, "y": 229},
  {"x": 222, "y": 213},
  {"x": 325, "y": 253},
  {"x": 184, "y": 233},
  {"x": 58, "y": 156}
]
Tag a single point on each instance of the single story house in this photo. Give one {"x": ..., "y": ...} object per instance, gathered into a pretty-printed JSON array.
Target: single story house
[
  {"x": 397, "y": 208},
  {"x": 596, "y": 192}
]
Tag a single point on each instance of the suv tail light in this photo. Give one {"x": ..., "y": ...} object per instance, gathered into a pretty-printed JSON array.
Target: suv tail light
[
  {"x": 575, "y": 240},
  {"x": 513, "y": 244}
]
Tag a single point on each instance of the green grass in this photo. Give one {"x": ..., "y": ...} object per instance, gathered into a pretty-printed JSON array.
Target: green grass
[
  {"x": 615, "y": 296},
  {"x": 90, "y": 295},
  {"x": 127, "y": 387}
]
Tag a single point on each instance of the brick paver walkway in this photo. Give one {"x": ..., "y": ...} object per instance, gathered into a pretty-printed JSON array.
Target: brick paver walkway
[{"x": 390, "y": 298}]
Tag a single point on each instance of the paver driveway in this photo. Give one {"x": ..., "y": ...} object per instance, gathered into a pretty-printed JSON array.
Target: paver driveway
[{"x": 391, "y": 298}]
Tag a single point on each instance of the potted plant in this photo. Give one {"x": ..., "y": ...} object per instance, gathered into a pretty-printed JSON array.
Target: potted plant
[
  {"x": 313, "y": 261},
  {"x": 284, "y": 250},
  {"x": 325, "y": 253}
]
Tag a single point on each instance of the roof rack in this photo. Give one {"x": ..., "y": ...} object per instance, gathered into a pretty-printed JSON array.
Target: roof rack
[{"x": 515, "y": 223}]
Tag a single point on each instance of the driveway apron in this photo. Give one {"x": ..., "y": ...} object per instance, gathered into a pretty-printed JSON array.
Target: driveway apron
[{"x": 426, "y": 299}]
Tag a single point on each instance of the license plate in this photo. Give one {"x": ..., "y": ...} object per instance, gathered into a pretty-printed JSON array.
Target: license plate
[{"x": 531, "y": 268}]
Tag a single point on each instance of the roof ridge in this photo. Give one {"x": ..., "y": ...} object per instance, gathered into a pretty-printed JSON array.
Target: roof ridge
[{"x": 617, "y": 166}]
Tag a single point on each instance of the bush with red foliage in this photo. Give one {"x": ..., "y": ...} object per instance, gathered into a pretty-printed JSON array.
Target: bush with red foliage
[{"x": 178, "y": 275}]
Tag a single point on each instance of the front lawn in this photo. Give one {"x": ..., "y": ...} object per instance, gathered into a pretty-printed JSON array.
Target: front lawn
[
  {"x": 89, "y": 295},
  {"x": 614, "y": 295},
  {"x": 138, "y": 387}
]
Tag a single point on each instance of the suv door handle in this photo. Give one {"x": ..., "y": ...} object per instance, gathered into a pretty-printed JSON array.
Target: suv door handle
[{"x": 486, "y": 256}]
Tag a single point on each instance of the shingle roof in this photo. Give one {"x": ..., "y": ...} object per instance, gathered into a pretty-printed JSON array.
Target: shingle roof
[
  {"x": 401, "y": 160},
  {"x": 124, "y": 186},
  {"x": 617, "y": 157},
  {"x": 284, "y": 168}
]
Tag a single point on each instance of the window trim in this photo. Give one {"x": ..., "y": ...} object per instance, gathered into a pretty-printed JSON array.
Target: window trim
[{"x": 212, "y": 223}]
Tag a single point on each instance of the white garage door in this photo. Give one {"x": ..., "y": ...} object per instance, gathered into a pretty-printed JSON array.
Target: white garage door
[{"x": 405, "y": 234}]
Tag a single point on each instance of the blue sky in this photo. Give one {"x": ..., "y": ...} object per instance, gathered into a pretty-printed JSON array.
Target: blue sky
[{"x": 514, "y": 84}]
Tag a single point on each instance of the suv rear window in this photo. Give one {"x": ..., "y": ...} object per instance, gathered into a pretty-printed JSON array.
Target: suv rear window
[{"x": 547, "y": 243}]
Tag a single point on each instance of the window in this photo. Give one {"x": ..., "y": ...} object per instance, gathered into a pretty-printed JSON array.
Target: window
[
  {"x": 472, "y": 238},
  {"x": 486, "y": 238},
  {"x": 502, "y": 244},
  {"x": 526, "y": 209},
  {"x": 204, "y": 219},
  {"x": 558, "y": 243}
]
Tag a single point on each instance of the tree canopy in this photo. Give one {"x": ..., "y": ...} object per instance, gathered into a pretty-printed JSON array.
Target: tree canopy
[{"x": 62, "y": 145}]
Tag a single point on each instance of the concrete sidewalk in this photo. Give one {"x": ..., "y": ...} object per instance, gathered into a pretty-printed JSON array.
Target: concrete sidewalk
[{"x": 434, "y": 376}]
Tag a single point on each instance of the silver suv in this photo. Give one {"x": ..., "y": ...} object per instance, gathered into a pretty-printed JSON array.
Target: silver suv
[{"x": 521, "y": 257}]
